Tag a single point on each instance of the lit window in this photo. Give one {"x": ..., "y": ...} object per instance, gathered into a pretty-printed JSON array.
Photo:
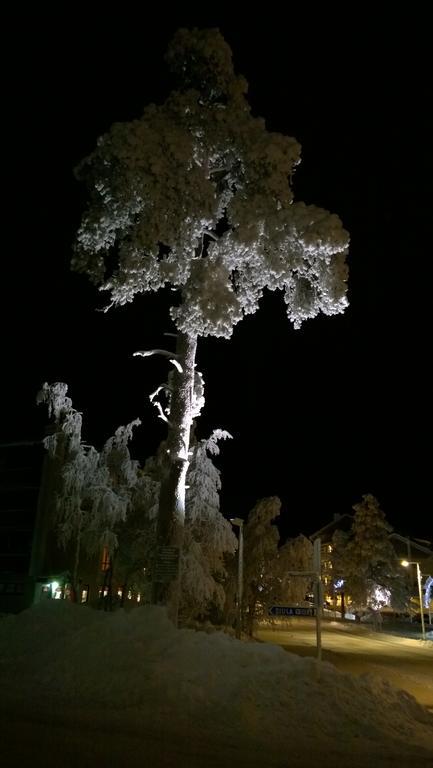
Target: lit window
[
  {"x": 56, "y": 590},
  {"x": 85, "y": 594},
  {"x": 105, "y": 561}
]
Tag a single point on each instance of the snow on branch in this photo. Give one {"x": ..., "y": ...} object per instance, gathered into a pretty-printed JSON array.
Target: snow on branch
[
  {"x": 157, "y": 404},
  {"x": 150, "y": 352},
  {"x": 211, "y": 443},
  {"x": 173, "y": 358}
]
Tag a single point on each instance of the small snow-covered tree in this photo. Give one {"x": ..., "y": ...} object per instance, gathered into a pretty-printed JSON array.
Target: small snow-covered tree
[
  {"x": 136, "y": 536},
  {"x": 261, "y": 539},
  {"x": 62, "y": 443},
  {"x": 296, "y": 554},
  {"x": 268, "y": 580},
  {"x": 197, "y": 194},
  {"x": 365, "y": 557},
  {"x": 209, "y": 538}
]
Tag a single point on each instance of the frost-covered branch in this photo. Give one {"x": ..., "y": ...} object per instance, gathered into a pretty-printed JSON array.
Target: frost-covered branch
[
  {"x": 173, "y": 359},
  {"x": 150, "y": 352},
  {"x": 157, "y": 404}
]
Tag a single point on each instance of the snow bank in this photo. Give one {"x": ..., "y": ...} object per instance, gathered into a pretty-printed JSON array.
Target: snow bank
[{"x": 134, "y": 674}]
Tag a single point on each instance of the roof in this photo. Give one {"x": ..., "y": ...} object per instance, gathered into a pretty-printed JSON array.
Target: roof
[
  {"x": 339, "y": 523},
  {"x": 404, "y": 544}
]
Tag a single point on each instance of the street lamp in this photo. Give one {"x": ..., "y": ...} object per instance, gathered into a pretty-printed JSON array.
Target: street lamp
[
  {"x": 240, "y": 524},
  {"x": 406, "y": 563}
]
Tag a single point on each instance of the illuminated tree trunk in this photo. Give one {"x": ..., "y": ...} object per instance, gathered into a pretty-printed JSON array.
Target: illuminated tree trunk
[{"x": 171, "y": 513}]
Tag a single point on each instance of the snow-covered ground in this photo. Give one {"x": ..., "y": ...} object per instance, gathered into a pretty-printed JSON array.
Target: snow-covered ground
[{"x": 86, "y": 688}]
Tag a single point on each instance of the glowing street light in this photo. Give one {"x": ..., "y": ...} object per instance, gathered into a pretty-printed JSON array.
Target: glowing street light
[
  {"x": 237, "y": 521},
  {"x": 406, "y": 563}
]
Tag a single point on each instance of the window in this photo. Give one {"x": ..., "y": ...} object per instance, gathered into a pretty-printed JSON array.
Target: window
[
  {"x": 105, "y": 561},
  {"x": 84, "y": 593}
]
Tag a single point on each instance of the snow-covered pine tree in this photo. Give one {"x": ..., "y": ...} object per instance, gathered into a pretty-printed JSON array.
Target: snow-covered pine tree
[
  {"x": 261, "y": 539},
  {"x": 365, "y": 558},
  {"x": 196, "y": 194}
]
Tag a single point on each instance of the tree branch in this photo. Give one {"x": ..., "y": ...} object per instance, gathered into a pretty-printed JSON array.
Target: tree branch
[
  {"x": 150, "y": 352},
  {"x": 157, "y": 404}
]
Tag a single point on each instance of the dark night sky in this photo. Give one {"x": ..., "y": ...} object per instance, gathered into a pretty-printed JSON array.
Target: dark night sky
[{"x": 319, "y": 416}]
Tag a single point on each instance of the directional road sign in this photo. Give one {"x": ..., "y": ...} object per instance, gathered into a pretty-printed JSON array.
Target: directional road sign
[{"x": 290, "y": 610}]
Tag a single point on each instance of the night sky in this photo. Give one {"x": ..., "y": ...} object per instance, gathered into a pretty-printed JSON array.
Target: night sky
[{"x": 319, "y": 416}]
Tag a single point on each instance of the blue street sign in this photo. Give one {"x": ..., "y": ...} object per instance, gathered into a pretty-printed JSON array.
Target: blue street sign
[{"x": 290, "y": 610}]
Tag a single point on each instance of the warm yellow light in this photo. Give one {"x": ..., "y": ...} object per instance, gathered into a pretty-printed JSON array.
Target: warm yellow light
[{"x": 405, "y": 563}]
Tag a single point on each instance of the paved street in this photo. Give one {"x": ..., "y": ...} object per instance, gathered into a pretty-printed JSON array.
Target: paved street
[{"x": 405, "y": 662}]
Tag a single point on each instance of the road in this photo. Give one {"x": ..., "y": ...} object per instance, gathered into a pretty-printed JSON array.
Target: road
[{"x": 405, "y": 662}]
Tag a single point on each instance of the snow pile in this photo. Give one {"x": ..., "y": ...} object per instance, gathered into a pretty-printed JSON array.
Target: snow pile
[{"x": 195, "y": 697}]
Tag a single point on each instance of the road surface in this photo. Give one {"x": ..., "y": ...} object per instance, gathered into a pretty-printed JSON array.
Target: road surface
[{"x": 405, "y": 662}]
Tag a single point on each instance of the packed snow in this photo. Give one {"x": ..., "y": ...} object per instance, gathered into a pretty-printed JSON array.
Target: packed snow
[{"x": 91, "y": 688}]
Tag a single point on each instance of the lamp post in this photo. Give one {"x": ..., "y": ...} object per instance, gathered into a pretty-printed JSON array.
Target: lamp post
[
  {"x": 240, "y": 524},
  {"x": 428, "y": 586},
  {"x": 406, "y": 563}
]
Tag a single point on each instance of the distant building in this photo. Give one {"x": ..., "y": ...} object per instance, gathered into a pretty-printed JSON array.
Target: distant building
[
  {"x": 411, "y": 549},
  {"x": 332, "y": 582},
  {"x": 20, "y": 470}
]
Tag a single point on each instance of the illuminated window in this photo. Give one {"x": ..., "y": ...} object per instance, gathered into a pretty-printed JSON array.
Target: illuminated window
[
  {"x": 85, "y": 593},
  {"x": 105, "y": 562},
  {"x": 56, "y": 590}
]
